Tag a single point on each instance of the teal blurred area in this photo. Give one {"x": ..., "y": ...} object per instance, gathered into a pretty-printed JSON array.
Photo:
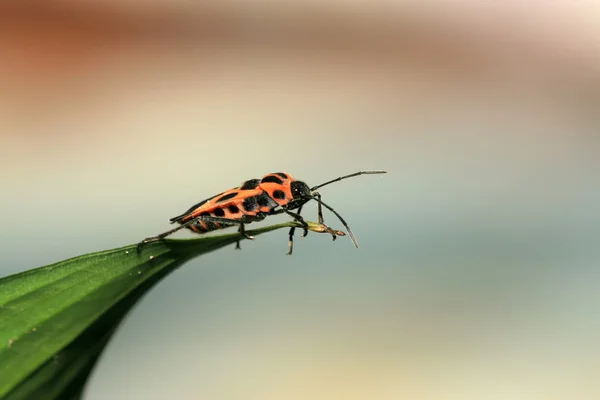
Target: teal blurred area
[{"x": 478, "y": 266}]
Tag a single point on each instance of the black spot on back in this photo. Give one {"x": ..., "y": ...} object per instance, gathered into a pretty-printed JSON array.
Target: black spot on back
[
  {"x": 264, "y": 200},
  {"x": 233, "y": 209},
  {"x": 278, "y": 194},
  {"x": 251, "y": 184},
  {"x": 271, "y": 179},
  {"x": 282, "y": 174},
  {"x": 218, "y": 212},
  {"x": 226, "y": 197},
  {"x": 250, "y": 203}
]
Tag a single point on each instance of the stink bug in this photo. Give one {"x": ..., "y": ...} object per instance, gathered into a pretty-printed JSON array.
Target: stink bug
[{"x": 253, "y": 201}]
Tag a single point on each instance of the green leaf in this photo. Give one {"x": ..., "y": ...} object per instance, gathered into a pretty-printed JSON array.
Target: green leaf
[{"x": 55, "y": 320}]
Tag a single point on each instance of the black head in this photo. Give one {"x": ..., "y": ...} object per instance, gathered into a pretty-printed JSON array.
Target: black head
[{"x": 300, "y": 190}]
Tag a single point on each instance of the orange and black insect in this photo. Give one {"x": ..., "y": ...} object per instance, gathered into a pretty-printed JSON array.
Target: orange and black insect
[{"x": 253, "y": 201}]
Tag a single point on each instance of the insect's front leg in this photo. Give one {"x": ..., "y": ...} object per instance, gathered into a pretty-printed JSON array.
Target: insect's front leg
[
  {"x": 319, "y": 207},
  {"x": 320, "y": 213}
]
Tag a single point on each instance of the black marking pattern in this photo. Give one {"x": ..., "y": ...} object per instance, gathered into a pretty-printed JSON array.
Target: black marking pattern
[
  {"x": 271, "y": 179},
  {"x": 237, "y": 204},
  {"x": 278, "y": 194},
  {"x": 226, "y": 197},
  {"x": 264, "y": 200},
  {"x": 251, "y": 184},
  {"x": 250, "y": 204}
]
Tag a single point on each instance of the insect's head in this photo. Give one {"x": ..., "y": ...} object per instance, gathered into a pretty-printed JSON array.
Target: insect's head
[{"x": 300, "y": 190}]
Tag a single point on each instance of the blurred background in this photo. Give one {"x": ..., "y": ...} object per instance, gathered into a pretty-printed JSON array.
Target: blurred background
[{"x": 478, "y": 272}]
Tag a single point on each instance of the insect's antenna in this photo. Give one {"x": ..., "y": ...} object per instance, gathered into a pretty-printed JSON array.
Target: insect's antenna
[
  {"x": 340, "y": 218},
  {"x": 346, "y": 177}
]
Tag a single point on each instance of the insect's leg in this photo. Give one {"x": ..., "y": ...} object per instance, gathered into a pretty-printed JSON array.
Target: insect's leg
[
  {"x": 298, "y": 217},
  {"x": 320, "y": 212},
  {"x": 227, "y": 221},
  {"x": 165, "y": 234},
  {"x": 319, "y": 207},
  {"x": 242, "y": 232},
  {"x": 206, "y": 218},
  {"x": 291, "y": 235}
]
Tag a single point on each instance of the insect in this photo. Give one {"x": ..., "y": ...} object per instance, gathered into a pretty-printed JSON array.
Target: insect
[{"x": 253, "y": 201}]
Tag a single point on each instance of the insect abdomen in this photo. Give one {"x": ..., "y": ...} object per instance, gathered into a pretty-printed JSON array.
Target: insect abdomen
[{"x": 246, "y": 203}]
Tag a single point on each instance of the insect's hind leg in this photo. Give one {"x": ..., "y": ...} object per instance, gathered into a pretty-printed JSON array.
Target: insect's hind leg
[
  {"x": 163, "y": 235},
  {"x": 205, "y": 218}
]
